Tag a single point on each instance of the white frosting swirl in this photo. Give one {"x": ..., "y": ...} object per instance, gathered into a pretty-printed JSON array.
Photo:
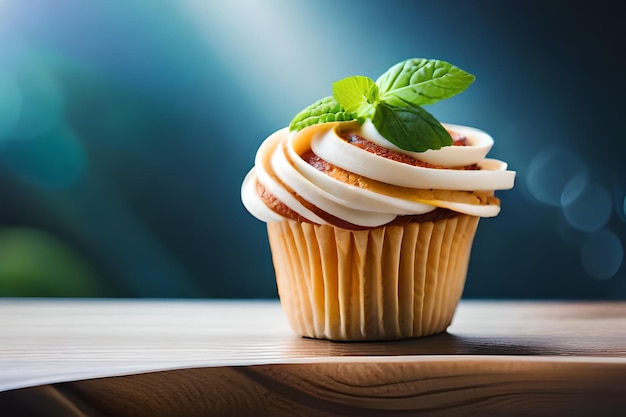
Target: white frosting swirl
[{"x": 366, "y": 189}]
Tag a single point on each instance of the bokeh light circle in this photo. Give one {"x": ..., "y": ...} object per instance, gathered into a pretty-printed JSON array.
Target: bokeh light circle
[
  {"x": 587, "y": 206},
  {"x": 34, "y": 263},
  {"x": 52, "y": 161},
  {"x": 574, "y": 188},
  {"x": 550, "y": 171},
  {"x": 10, "y": 105},
  {"x": 602, "y": 254},
  {"x": 42, "y": 103}
]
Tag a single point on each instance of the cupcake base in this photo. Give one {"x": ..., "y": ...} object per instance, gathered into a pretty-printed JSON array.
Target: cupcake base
[{"x": 386, "y": 283}]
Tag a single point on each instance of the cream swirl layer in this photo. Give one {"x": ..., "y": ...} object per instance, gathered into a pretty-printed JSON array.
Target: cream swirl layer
[{"x": 364, "y": 188}]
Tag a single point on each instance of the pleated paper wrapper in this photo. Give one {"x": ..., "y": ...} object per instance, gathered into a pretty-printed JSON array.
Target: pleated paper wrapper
[{"x": 386, "y": 283}]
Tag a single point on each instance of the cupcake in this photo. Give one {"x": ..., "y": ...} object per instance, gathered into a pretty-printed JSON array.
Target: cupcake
[{"x": 372, "y": 205}]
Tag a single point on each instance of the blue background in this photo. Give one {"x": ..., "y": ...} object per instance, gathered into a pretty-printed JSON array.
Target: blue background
[{"x": 126, "y": 128}]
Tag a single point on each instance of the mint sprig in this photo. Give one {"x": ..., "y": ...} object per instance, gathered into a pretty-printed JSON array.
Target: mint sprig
[
  {"x": 422, "y": 81},
  {"x": 393, "y": 103},
  {"x": 411, "y": 127},
  {"x": 356, "y": 94},
  {"x": 324, "y": 110}
]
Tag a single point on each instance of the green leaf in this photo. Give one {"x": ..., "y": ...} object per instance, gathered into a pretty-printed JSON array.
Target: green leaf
[
  {"x": 421, "y": 81},
  {"x": 393, "y": 102},
  {"x": 410, "y": 128},
  {"x": 324, "y": 110},
  {"x": 356, "y": 92}
]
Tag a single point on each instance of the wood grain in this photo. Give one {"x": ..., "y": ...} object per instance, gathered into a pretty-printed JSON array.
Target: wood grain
[{"x": 175, "y": 358}]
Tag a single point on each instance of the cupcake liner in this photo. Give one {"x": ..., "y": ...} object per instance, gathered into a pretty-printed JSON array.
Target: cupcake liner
[{"x": 391, "y": 282}]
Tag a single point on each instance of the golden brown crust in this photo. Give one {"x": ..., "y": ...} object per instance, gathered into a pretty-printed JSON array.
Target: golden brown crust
[
  {"x": 411, "y": 194},
  {"x": 362, "y": 143},
  {"x": 277, "y": 206},
  {"x": 428, "y": 196}
]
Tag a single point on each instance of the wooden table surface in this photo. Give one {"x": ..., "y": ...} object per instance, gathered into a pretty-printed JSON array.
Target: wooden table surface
[{"x": 221, "y": 358}]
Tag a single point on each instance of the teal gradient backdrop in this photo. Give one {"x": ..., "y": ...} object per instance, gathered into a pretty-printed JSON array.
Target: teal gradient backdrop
[{"x": 126, "y": 128}]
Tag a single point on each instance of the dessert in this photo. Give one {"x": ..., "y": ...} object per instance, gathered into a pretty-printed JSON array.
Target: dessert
[{"x": 372, "y": 204}]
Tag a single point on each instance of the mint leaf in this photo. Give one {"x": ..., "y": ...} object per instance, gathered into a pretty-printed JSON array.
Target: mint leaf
[
  {"x": 410, "y": 127},
  {"x": 421, "y": 81},
  {"x": 393, "y": 102},
  {"x": 354, "y": 93},
  {"x": 324, "y": 110}
]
